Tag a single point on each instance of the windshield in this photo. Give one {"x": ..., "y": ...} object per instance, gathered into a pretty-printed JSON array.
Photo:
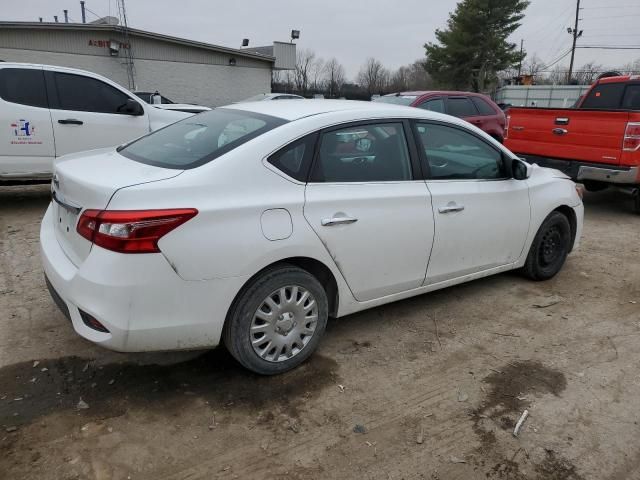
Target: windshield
[
  {"x": 197, "y": 140},
  {"x": 397, "y": 99}
]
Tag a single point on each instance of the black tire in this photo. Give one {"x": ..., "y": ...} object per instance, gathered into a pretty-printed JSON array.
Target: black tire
[
  {"x": 636, "y": 201},
  {"x": 237, "y": 335},
  {"x": 549, "y": 249}
]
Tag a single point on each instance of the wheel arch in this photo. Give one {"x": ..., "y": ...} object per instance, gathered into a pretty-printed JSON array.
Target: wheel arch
[
  {"x": 315, "y": 267},
  {"x": 573, "y": 221}
]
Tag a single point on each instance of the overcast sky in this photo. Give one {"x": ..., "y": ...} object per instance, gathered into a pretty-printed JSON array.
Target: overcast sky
[{"x": 351, "y": 30}]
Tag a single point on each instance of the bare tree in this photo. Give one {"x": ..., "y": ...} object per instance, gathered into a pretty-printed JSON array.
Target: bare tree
[
  {"x": 373, "y": 76},
  {"x": 316, "y": 73},
  {"x": 632, "y": 68},
  {"x": 304, "y": 65},
  {"x": 588, "y": 73},
  {"x": 334, "y": 77}
]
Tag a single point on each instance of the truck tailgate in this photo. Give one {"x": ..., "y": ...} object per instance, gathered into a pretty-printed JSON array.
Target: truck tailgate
[{"x": 571, "y": 134}]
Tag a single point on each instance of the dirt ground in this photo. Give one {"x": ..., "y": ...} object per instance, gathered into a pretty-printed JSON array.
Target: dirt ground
[{"x": 427, "y": 388}]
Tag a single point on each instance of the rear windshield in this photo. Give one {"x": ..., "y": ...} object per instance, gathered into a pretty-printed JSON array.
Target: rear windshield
[
  {"x": 197, "y": 140},
  {"x": 397, "y": 99}
]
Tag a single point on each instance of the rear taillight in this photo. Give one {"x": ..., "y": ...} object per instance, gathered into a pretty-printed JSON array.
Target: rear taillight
[
  {"x": 506, "y": 127},
  {"x": 131, "y": 231},
  {"x": 631, "y": 141}
]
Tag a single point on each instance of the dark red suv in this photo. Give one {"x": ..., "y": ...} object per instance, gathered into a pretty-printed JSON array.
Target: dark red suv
[{"x": 475, "y": 108}]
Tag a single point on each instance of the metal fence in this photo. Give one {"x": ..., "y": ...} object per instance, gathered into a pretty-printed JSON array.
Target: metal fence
[{"x": 554, "y": 96}]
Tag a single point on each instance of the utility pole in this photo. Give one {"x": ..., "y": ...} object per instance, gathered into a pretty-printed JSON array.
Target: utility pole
[
  {"x": 576, "y": 34},
  {"x": 520, "y": 65}
]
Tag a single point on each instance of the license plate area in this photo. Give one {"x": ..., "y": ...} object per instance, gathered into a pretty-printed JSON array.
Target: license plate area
[{"x": 66, "y": 220}]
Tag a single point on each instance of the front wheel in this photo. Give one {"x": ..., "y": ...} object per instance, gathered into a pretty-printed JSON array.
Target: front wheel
[
  {"x": 549, "y": 249},
  {"x": 277, "y": 320}
]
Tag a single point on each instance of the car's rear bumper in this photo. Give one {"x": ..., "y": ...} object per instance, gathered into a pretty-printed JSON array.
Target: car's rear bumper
[
  {"x": 581, "y": 171},
  {"x": 608, "y": 175},
  {"x": 139, "y": 298}
]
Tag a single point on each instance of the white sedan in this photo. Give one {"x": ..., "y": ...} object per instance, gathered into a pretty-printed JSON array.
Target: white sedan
[{"x": 253, "y": 223}]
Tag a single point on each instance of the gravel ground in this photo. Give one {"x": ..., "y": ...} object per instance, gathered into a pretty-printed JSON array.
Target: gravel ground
[{"x": 427, "y": 388}]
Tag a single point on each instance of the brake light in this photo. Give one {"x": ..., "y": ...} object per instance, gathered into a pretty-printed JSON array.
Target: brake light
[
  {"x": 631, "y": 141},
  {"x": 506, "y": 127},
  {"x": 131, "y": 231}
]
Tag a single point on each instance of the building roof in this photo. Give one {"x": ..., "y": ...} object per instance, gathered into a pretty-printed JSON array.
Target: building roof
[{"x": 140, "y": 33}]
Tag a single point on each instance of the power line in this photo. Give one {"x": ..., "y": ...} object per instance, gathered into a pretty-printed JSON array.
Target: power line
[{"x": 610, "y": 47}]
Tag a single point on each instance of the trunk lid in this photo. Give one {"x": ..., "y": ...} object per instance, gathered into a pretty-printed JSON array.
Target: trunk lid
[{"x": 88, "y": 180}]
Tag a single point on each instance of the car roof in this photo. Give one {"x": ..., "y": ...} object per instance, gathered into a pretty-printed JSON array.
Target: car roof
[
  {"x": 419, "y": 93},
  {"x": 619, "y": 79},
  {"x": 297, "y": 110}
]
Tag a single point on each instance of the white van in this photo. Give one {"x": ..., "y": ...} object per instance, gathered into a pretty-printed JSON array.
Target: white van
[{"x": 47, "y": 112}]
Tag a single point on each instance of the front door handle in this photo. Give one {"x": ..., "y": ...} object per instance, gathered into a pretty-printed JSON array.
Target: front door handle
[
  {"x": 560, "y": 131},
  {"x": 451, "y": 208},
  {"x": 328, "y": 222},
  {"x": 70, "y": 121}
]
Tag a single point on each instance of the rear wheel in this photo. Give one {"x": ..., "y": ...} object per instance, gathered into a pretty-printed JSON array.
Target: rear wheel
[
  {"x": 549, "y": 249},
  {"x": 636, "y": 201},
  {"x": 276, "y": 322}
]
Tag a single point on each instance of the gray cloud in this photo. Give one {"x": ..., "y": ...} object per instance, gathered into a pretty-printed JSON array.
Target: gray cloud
[{"x": 352, "y": 30}]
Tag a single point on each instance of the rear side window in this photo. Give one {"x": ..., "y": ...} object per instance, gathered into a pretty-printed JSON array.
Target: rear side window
[
  {"x": 631, "y": 99},
  {"x": 607, "y": 96},
  {"x": 295, "y": 159},
  {"x": 85, "y": 94},
  {"x": 24, "y": 86},
  {"x": 483, "y": 107},
  {"x": 461, "y": 107},
  {"x": 435, "y": 105},
  {"x": 363, "y": 153},
  {"x": 197, "y": 140}
]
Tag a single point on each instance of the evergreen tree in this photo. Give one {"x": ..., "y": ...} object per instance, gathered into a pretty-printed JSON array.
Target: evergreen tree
[{"x": 474, "y": 46}]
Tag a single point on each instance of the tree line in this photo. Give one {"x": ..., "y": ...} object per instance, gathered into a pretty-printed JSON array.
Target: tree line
[
  {"x": 473, "y": 52},
  {"x": 315, "y": 76}
]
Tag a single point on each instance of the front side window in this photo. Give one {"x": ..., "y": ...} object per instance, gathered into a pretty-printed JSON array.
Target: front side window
[
  {"x": 606, "y": 96},
  {"x": 461, "y": 107},
  {"x": 86, "y": 94},
  {"x": 364, "y": 153},
  {"x": 434, "y": 105},
  {"x": 197, "y": 140},
  {"x": 24, "y": 86},
  {"x": 454, "y": 154}
]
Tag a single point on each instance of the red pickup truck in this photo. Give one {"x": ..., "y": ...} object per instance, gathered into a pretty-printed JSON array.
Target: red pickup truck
[{"x": 597, "y": 143}]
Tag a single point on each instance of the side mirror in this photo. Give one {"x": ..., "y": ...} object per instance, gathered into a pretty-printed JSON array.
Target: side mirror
[
  {"x": 133, "y": 108},
  {"x": 520, "y": 169}
]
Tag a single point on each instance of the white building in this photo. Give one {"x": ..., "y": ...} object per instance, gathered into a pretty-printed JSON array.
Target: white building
[{"x": 184, "y": 71}]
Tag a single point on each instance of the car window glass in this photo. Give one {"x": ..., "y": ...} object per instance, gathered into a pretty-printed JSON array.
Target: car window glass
[
  {"x": 85, "y": 94},
  {"x": 605, "y": 96},
  {"x": 24, "y": 86},
  {"x": 197, "y": 140},
  {"x": 631, "y": 99},
  {"x": 365, "y": 153},
  {"x": 295, "y": 159},
  {"x": 435, "y": 105},
  {"x": 483, "y": 107},
  {"x": 455, "y": 154},
  {"x": 460, "y": 107}
]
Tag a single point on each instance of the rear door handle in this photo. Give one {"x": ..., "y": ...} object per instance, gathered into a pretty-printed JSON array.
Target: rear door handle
[
  {"x": 560, "y": 131},
  {"x": 328, "y": 222},
  {"x": 70, "y": 121},
  {"x": 451, "y": 208}
]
